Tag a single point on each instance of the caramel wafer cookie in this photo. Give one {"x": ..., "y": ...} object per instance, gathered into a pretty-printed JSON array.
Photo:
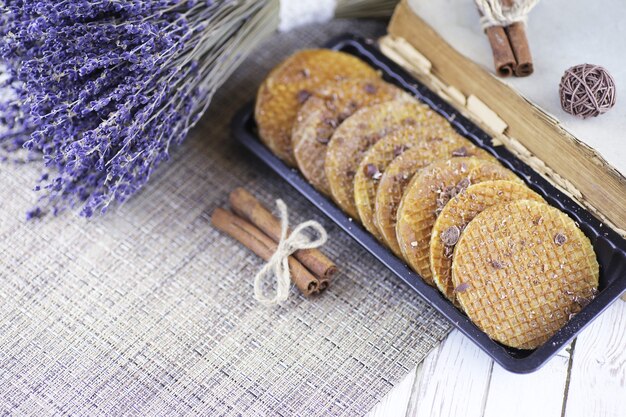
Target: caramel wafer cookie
[
  {"x": 521, "y": 270},
  {"x": 356, "y": 135},
  {"x": 426, "y": 195},
  {"x": 288, "y": 86},
  {"x": 434, "y": 135},
  {"x": 398, "y": 175},
  {"x": 459, "y": 211},
  {"x": 320, "y": 115}
]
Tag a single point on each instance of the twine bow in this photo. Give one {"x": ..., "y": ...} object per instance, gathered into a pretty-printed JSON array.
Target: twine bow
[
  {"x": 498, "y": 13},
  {"x": 278, "y": 265}
]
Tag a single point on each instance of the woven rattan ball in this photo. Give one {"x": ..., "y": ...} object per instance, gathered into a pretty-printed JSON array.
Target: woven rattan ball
[{"x": 587, "y": 91}]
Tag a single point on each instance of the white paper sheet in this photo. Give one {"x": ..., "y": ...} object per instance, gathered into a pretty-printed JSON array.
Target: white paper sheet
[{"x": 561, "y": 33}]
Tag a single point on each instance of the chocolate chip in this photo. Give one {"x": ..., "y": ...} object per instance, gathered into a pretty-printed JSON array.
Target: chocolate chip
[
  {"x": 462, "y": 185},
  {"x": 324, "y": 132},
  {"x": 401, "y": 178},
  {"x": 343, "y": 116},
  {"x": 442, "y": 201},
  {"x": 371, "y": 171},
  {"x": 560, "y": 239},
  {"x": 453, "y": 192},
  {"x": 330, "y": 122},
  {"x": 372, "y": 139},
  {"x": 462, "y": 151},
  {"x": 323, "y": 139},
  {"x": 370, "y": 88},
  {"x": 497, "y": 264},
  {"x": 399, "y": 150},
  {"x": 350, "y": 174},
  {"x": 443, "y": 198},
  {"x": 302, "y": 96},
  {"x": 450, "y": 236},
  {"x": 582, "y": 301},
  {"x": 462, "y": 287}
]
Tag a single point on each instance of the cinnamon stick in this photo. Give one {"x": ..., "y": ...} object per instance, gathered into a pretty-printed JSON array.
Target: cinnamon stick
[
  {"x": 247, "y": 206},
  {"x": 509, "y": 45},
  {"x": 255, "y": 240},
  {"x": 503, "y": 57},
  {"x": 519, "y": 43}
]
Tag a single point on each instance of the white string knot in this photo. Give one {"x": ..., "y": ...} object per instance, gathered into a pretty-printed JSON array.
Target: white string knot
[
  {"x": 295, "y": 13},
  {"x": 278, "y": 265},
  {"x": 495, "y": 13}
]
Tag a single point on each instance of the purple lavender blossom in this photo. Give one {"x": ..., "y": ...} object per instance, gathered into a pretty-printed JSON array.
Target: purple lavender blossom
[{"x": 102, "y": 89}]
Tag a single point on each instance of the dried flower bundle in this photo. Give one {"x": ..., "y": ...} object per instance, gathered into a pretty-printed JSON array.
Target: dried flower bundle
[{"x": 103, "y": 89}]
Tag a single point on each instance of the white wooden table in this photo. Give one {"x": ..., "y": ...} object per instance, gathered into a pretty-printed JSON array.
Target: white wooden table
[{"x": 586, "y": 379}]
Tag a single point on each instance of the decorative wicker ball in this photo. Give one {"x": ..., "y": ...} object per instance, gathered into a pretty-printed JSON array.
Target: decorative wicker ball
[{"x": 587, "y": 91}]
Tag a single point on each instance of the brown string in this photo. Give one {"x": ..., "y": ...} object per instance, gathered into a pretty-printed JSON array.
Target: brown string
[{"x": 587, "y": 91}]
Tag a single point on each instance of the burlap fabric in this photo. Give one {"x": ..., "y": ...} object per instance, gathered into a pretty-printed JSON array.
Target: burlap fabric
[{"x": 150, "y": 311}]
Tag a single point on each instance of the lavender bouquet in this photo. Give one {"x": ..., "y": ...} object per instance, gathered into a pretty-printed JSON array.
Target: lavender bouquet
[{"x": 101, "y": 90}]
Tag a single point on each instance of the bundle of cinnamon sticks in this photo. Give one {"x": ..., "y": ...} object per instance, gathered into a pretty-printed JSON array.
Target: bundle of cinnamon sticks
[
  {"x": 511, "y": 53},
  {"x": 254, "y": 226},
  {"x": 509, "y": 45}
]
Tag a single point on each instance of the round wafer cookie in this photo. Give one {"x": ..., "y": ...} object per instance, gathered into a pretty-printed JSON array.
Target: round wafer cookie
[
  {"x": 434, "y": 135},
  {"x": 398, "y": 175},
  {"x": 457, "y": 213},
  {"x": 426, "y": 195},
  {"x": 521, "y": 269},
  {"x": 356, "y": 135},
  {"x": 320, "y": 115},
  {"x": 288, "y": 86}
]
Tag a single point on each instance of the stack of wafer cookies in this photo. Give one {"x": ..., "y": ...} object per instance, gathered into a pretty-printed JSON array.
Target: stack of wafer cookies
[{"x": 467, "y": 225}]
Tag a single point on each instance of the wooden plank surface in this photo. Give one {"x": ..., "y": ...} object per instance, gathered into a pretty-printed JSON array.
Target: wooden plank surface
[
  {"x": 453, "y": 380},
  {"x": 598, "y": 379},
  {"x": 396, "y": 402},
  {"x": 536, "y": 394},
  {"x": 586, "y": 379}
]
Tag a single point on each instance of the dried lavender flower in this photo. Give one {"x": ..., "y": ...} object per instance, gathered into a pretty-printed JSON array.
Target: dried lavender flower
[{"x": 103, "y": 89}]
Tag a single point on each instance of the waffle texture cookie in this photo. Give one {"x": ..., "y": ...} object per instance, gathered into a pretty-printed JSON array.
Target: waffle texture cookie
[
  {"x": 521, "y": 270},
  {"x": 398, "y": 175},
  {"x": 434, "y": 135},
  {"x": 320, "y": 115},
  {"x": 426, "y": 195},
  {"x": 356, "y": 135},
  {"x": 459, "y": 211},
  {"x": 288, "y": 86}
]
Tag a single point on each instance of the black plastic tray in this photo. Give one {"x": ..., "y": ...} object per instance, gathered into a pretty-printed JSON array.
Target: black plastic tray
[{"x": 610, "y": 248}]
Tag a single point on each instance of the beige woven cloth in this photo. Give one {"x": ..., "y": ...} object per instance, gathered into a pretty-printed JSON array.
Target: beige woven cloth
[{"x": 150, "y": 311}]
